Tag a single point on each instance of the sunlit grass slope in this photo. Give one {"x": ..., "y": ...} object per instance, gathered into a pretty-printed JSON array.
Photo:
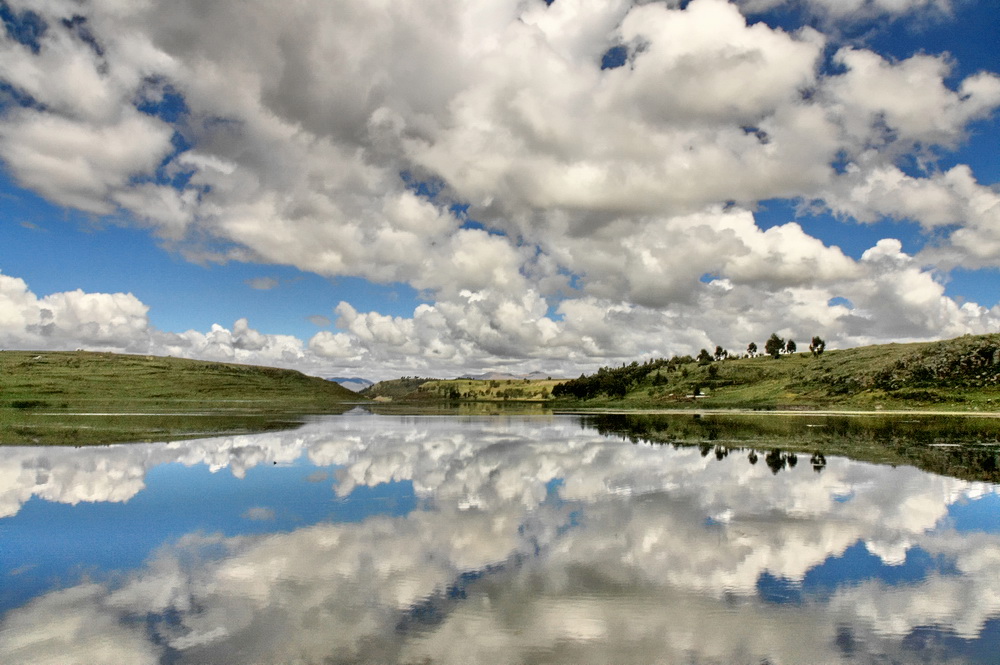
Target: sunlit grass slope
[
  {"x": 81, "y": 397},
  {"x": 957, "y": 374}
]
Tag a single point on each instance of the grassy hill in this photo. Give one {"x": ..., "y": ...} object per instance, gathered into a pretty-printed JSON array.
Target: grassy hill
[
  {"x": 962, "y": 373},
  {"x": 82, "y": 397},
  {"x": 395, "y": 389},
  {"x": 958, "y": 374},
  {"x": 417, "y": 390}
]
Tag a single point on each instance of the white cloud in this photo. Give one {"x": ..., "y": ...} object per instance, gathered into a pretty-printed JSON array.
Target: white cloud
[
  {"x": 856, "y": 10},
  {"x": 475, "y": 329},
  {"x": 875, "y": 105},
  {"x": 98, "y": 320},
  {"x": 89, "y": 633},
  {"x": 964, "y": 214},
  {"x": 610, "y": 196},
  {"x": 78, "y": 164}
]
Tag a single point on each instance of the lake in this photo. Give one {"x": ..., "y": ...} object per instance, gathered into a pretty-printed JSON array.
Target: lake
[{"x": 366, "y": 538}]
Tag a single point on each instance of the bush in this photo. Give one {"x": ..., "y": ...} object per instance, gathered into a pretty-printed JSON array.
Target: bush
[{"x": 28, "y": 403}]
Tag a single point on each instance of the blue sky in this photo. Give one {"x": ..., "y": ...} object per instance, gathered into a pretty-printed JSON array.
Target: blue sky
[
  {"x": 55, "y": 249},
  {"x": 513, "y": 186}
]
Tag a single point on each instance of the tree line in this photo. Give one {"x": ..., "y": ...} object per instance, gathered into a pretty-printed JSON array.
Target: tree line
[{"x": 616, "y": 382}]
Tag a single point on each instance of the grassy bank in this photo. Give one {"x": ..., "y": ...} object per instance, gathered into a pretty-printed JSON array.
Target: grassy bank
[{"x": 80, "y": 398}]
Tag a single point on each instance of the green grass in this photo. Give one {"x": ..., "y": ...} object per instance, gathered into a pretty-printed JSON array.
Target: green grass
[
  {"x": 962, "y": 374},
  {"x": 80, "y": 398},
  {"x": 500, "y": 390},
  {"x": 419, "y": 391}
]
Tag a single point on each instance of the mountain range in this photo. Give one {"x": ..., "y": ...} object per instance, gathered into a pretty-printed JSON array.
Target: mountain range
[{"x": 354, "y": 383}]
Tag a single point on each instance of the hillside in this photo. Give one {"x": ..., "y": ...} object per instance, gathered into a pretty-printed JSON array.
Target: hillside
[
  {"x": 962, "y": 373},
  {"x": 395, "y": 389},
  {"x": 957, "y": 374},
  {"x": 415, "y": 390},
  {"x": 82, "y": 397}
]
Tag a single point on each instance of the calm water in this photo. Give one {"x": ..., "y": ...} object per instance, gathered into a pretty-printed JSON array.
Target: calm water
[{"x": 385, "y": 539}]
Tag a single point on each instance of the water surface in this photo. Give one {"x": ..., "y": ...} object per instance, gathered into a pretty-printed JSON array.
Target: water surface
[{"x": 544, "y": 539}]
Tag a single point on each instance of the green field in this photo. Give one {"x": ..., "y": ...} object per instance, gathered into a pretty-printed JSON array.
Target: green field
[{"x": 80, "y": 398}]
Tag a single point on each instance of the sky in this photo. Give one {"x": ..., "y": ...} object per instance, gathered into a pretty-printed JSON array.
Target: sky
[{"x": 380, "y": 189}]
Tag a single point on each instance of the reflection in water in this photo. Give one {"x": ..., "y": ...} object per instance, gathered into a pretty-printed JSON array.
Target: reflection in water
[
  {"x": 960, "y": 446},
  {"x": 380, "y": 539}
]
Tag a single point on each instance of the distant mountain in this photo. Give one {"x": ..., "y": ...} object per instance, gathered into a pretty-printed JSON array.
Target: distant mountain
[
  {"x": 357, "y": 384},
  {"x": 490, "y": 376}
]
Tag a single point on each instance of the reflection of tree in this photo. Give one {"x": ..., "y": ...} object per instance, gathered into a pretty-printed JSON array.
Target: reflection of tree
[
  {"x": 775, "y": 461},
  {"x": 972, "y": 455}
]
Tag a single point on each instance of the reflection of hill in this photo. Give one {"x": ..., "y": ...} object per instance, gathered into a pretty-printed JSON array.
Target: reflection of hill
[{"x": 960, "y": 447}]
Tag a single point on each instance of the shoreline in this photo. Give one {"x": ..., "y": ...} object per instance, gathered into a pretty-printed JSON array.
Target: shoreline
[{"x": 776, "y": 412}]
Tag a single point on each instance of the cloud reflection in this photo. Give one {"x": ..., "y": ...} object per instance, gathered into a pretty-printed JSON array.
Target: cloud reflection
[{"x": 536, "y": 540}]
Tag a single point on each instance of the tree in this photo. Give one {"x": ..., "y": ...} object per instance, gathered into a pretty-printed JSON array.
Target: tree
[
  {"x": 721, "y": 353},
  {"x": 752, "y": 349},
  {"x": 817, "y": 345},
  {"x": 774, "y": 346},
  {"x": 790, "y": 346},
  {"x": 704, "y": 357}
]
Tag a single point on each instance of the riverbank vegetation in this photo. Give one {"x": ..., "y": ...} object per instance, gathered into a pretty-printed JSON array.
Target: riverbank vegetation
[{"x": 81, "y": 398}]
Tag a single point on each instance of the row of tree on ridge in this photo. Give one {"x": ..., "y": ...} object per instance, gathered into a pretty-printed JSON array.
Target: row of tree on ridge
[{"x": 617, "y": 381}]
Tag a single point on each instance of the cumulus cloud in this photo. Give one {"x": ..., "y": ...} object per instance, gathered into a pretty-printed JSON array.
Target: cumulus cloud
[
  {"x": 856, "y": 10},
  {"x": 337, "y": 140},
  {"x": 102, "y": 320},
  {"x": 476, "y": 329},
  {"x": 963, "y": 214},
  {"x": 119, "y": 322}
]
